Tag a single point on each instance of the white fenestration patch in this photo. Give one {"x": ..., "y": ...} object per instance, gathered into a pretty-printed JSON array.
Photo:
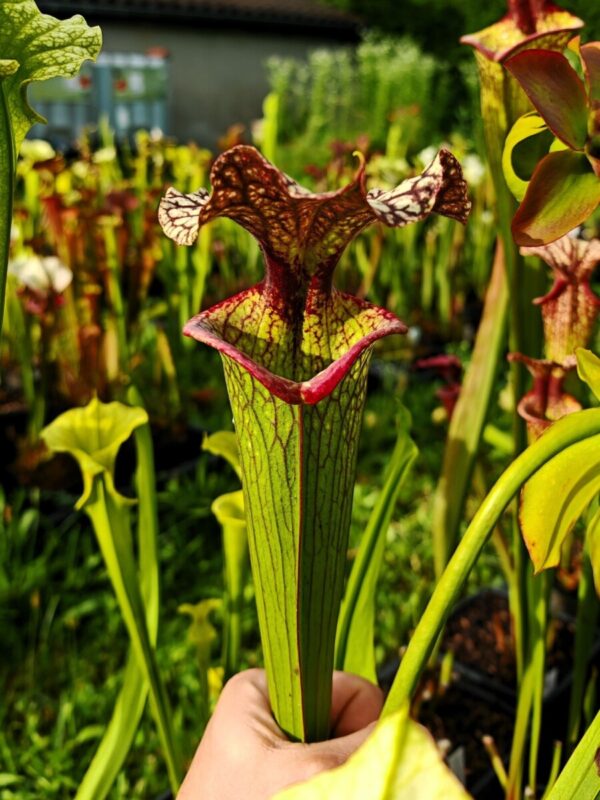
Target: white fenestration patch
[
  {"x": 409, "y": 202},
  {"x": 178, "y": 214}
]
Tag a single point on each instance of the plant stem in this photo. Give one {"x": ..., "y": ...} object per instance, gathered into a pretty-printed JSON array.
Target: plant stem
[
  {"x": 111, "y": 524},
  {"x": 469, "y": 417},
  {"x": 585, "y": 630},
  {"x": 7, "y": 184},
  {"x": 563, "y": 434}
]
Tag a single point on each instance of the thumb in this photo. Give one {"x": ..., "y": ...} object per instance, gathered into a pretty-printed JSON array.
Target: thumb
[{"x": 339, "y": 750}]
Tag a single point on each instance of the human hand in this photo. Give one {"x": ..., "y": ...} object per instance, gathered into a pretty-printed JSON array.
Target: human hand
[{"x": 244, "y": 755}]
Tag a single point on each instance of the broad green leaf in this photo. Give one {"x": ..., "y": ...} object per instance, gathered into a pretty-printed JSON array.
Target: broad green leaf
[
  {"x": 225, "y": 445},
  {"x": 556, "y": 91},
  {"x": 399, "y": 761},
  {"x": 93, "y": 436},
  {"x": 562, "y": 194},
  {"x": 42, "y": 47},
  {"x": 580, "y": 778},
  {"x": 588, "y": 369},
  {"x": 555, "y": 497},
  {"x": 356, "y": 626},
  {"x": 526, "y": 127}
]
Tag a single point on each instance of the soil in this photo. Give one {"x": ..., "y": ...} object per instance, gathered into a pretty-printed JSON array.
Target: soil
[
  {"x": 481, "y": 698},
  {"x": 480, "y": 636}
]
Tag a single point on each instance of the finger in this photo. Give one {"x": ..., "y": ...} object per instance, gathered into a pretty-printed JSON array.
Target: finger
[
  {"x": 355, "y": 703},
  {"x": 337, "y": 751},
  {"x": 244, "y": 708}
]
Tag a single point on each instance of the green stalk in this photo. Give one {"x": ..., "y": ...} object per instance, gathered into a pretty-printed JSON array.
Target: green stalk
[
  {"x": 7, "y": 190},
  {"x": 562, "y": 434},
  {"x": 110, "y": 519},
  {"x": 114, "y": 291},
  {"x": 468, "y": 419},
  {"x": 121, "y": 730},
  {"x": 540, "y": 589},
  {"x": 354, "y": 645},
  {"x": 585, "y": 631},
  {"x": 229, "y": 510}
]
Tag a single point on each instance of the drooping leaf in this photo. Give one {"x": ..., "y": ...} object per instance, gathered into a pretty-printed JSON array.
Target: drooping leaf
[
  {"x": 225, "y": 445},
  {"x": 399, "y": 761},
  {"x": 556, "y": 91},
  {"x": 562, "y": 194},
  {"x": 555, "y": 497},
  {"x": 588, "y": 369},
  {"x": 41, "y": 47},
  {"x": 356, "y": 626},
  {"x": 526, "y": 127}
]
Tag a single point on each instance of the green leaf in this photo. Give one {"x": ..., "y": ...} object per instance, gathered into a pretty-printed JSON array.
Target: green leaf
[
  {"x": 356, "y": 626},
  {"x": 399, "y": 761},
  {"x": 562, "y": 194},
  {"x": 555, "y": 497},
  {"x": 580, "y": 779},
  {"x": 525, "y": 128},
  {"x": 42, "y": 47},
  {"x": 593, "y": 547},
  {"x": 225, "y": 445},
  {"x": 468, "y": 420},
  {"x": 556, "y": 91},
  {"x": 588, "y": 369},
  {"x": 93, "y": 436},
  {"x": 562, "y": 435}
]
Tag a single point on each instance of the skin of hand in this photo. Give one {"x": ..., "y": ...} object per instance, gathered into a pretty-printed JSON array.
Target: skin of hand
[{"x": 244, "y": 753}]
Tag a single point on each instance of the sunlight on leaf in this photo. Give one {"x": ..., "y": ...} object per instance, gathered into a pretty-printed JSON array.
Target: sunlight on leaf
[
  {"x": 526, "y": 127},
  {"x": 399, "y": 761},
  {"x": 588, "y": 369},
  {"x": 41, "y": 47},
  {"x": 555, "y": 497},
  {"x": 93, "y": 436}
]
